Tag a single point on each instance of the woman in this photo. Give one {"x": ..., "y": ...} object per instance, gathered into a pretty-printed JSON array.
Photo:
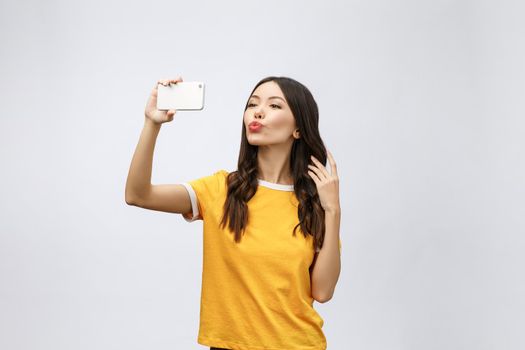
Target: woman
[{"x": 270, "y": 228}]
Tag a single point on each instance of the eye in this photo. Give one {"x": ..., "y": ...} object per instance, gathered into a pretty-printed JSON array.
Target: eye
[{"x": 273, "y": 104}]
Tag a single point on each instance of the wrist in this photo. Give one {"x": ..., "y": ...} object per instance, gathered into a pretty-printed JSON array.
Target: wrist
[{"x": 151, "y": 123}]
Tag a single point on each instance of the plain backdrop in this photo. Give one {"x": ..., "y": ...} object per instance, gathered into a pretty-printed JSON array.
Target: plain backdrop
[{"x": 421, "y": 103}]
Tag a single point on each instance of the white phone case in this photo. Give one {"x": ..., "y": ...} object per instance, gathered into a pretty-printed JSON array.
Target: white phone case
[{"x": 185, "y": 95}]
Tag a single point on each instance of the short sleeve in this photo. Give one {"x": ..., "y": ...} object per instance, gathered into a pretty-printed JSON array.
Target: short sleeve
[{"x": 202, "y": 192}]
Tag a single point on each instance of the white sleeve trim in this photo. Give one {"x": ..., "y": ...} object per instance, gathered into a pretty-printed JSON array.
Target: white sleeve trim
[{"x": 194, "y": 205}]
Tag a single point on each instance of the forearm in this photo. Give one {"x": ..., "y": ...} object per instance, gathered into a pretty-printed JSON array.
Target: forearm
[
  {"x": 139, "y": 175},
  {"x": 328, "y": 264}
]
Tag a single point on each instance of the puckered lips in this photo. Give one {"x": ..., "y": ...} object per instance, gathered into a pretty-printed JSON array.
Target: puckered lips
[{"x": 255, "y": 126}]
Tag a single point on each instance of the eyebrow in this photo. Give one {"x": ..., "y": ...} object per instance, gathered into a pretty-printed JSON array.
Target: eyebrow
[{"x": 255, "y": 96}]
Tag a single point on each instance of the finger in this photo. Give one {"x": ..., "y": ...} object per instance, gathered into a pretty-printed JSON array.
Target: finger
[
  {"x": 320, "y": 166},
  {"x": 314, "y": 177},
  {"x": 157, "y": 85},
  {"x": 332, "y": 163},
  {"x": 317, "y": 171}
]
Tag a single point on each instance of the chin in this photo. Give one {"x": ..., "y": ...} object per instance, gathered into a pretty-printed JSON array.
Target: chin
[
  {"x": 253, "y": 140},
  {"x": 255, "y": 143}
]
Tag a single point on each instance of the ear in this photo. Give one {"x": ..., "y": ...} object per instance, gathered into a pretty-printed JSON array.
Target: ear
[{"x": 296, "y": 133}]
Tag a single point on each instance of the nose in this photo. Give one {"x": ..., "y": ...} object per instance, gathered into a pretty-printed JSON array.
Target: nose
[{"x": 257, "y": 114}]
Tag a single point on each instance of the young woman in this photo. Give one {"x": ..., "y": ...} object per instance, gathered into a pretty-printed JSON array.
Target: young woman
[{"x": 271, "y": 228}]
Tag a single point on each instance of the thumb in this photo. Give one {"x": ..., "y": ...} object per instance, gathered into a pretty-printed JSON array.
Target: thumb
[{"x": 170, "y": 114}]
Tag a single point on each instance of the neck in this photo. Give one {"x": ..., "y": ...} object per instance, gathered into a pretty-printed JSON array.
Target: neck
[{"x": 274, "y": 164}]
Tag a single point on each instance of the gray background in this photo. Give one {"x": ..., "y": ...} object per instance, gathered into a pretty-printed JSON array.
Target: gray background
[{"x": 421, "y": 103}]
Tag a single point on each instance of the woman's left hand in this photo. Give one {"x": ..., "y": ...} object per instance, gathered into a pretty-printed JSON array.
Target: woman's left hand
[{"x": 327, "y": 184}]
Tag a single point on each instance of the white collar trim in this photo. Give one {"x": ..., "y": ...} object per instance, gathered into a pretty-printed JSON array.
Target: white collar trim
[{"x": 275, "y": 186}]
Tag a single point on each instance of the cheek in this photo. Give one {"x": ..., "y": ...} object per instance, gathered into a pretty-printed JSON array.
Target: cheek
[
  {"x": 283, "y": 121},
  {"x": 245, "y": 118}
]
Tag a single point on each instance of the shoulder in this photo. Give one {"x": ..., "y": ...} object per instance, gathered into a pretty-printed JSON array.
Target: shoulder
[
  {"x": 221, "y": 175},
  {"x": 217, "y": 174}
]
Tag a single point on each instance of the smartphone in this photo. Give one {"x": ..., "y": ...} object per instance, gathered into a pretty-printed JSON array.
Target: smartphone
[{"x": 184, "y": 95}]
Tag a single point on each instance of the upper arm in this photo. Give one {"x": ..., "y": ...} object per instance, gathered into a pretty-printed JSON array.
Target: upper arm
[
  {"x": 171, "y": 198},
  {"x": 189, "y": 198}
]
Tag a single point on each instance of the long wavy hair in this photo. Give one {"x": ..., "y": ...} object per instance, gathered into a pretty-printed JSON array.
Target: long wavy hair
[{"x": 242, "y": 183}]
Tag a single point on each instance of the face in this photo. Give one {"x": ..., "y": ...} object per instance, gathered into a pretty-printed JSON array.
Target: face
[{"x": 267, "y": 105}]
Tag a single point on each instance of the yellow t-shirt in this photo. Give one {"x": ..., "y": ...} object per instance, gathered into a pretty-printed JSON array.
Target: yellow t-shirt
[{"x": 255, "y": 294}]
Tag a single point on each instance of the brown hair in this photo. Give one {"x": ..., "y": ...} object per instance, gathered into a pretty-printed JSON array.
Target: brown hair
[{"x": 242, "y": 183}]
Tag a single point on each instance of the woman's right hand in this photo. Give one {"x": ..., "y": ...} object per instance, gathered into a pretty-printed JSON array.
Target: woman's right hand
[{"x": 152, "y": 112}]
